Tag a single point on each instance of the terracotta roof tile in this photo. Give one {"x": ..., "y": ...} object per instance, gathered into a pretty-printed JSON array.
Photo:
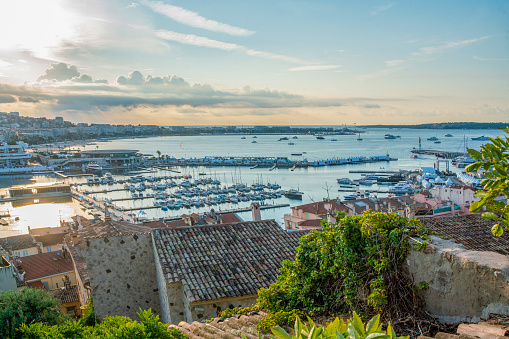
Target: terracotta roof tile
[
  {"x": 318, "y": 208},
  {"x": 50, "y": 239},
  {"x": 36, "y": 284},
  {"x": 229, "y": 218},
  {"x": 17, "y": 242},
  {"x": 65, "y": 295},
  {"x": 228, "y": 260},
  {"x": 471, "y": 231},
  {"x": 43, "y": 265}
]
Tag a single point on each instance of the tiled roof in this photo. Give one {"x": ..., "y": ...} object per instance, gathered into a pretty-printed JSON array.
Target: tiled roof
[
  {"x": 50, "y": 239},
  {"x": 155, "y": 224},
  {"x": 318, "y": 208},
  {"x": 43, "y": 265},
  {"x": 228, "y": 260},
  {"x": 17, "y": 242},
  {"x": 471, "y": 231},
  {"x": 65, "y": 295},
  {"x": 99, "y": 230},
  {"x": 311, "y": 223},
  {"x": 229, "y": 218}
]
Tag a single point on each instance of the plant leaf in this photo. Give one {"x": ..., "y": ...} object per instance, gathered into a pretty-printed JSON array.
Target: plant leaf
[
  {"x": 489, "y": 215},
  {"x": 357, "y": 323},
  {"x": 281, "y": 333},
  {"x": 372, "y": 325},
  {"x": 497, "y": 230}
]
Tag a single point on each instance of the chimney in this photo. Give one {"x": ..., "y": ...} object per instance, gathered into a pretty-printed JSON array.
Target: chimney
[
  {"x": 107, "y": 215},
  {"x": 255, "y": 211},
  {"x": 74, "y": 238},
  {"x": 78, "y": 219}
]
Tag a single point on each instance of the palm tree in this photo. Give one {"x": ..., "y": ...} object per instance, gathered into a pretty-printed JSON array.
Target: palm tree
[{"x": 158, "y": 154}]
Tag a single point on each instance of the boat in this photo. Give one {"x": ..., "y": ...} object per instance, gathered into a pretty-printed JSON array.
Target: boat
[
  {"x": 481, "y": 138},
  {"x": 414, "y": 156},
  {"x": 359, "y": 137},
  {"x": 432, "y": 139},
  {"x": 254, "y": 137},
  {"x": 438, "y": 142},
  {"x": 93, "y": 167},
  {"x": 253, "y": 167},
  {"x": 401, "y": 188},
  {"x": 448, "y": 135},
  {"x": 291, "y": 143},
  {"x": 463, "y": 161},
  {"x": 333, "y": 139},
  {"x": 345, "y": 181},
  {"x": 297, "y": 154},
  {"x": 284, "y": 138},
  {"x": 295, "y": 137},
  {"x": 14, "y": 159},
  {"x": 320, "y": 137},
  {"x": 253, "y": 142},
  {"x": 366, "y": 182},
  {"x": 391, "y": 179},
  {"x": 272, "y": 168},
  {"x": 243, "y": 137},
  {"x": 389, "y": 137},
  {"x": 350, "y": 197},
  {"x": 293, "y": 194}
]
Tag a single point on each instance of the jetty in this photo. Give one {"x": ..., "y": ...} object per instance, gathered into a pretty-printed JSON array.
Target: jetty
[{"x": 439, "y": 154}]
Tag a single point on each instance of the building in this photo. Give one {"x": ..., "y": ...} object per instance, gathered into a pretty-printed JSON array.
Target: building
[
  {"x": 182, "y": 273},
  {"x": 48, "y": 269},
  {"x": 7, "y": 276},
  {"x": 19, "y": 245},
  {"x": 309, "y": 216},
  {"x": 112, "y": 158},
  {"x": 69, "y": 298}
]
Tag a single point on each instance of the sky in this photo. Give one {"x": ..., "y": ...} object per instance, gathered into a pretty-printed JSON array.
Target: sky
[{"x": 279, "y": 62}]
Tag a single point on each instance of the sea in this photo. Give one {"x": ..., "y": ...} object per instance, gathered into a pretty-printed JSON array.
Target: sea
[{"x": 316, "y": 183}]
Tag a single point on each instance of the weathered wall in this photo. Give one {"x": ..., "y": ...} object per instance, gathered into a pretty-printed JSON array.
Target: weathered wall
[
  {"x": 122, "y": 275},
  {"x": 463, "y": 285},
  {"x": 7, "y": 280},
  {"x": 199, "y": 311}
]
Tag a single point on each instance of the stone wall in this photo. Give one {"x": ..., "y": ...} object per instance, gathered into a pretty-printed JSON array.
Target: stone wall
[
  {"x": 161, "y": 286},
  {"x": 463, "y": 285},
  {"x": 122, "y": 275},
  {"x": 199, "y": 311}
]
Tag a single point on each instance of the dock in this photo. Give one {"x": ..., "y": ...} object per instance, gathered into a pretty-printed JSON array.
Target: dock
[{"x": 440, "y": 154}]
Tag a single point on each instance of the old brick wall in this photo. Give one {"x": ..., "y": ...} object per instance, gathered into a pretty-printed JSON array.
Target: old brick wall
[{"x": 122, "y": 275}]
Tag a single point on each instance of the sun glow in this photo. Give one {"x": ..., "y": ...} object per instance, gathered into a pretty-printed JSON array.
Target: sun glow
[{"x": 36, "y": 26}]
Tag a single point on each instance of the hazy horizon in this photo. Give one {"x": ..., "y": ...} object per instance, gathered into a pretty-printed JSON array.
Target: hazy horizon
[{"x": 256, "y": 63}]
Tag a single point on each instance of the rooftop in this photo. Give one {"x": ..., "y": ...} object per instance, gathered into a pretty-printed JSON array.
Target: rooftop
[
  {"x": 17, "y": 242},
  {"x": 50, "y": 239},
  {"x": 318, "y": 208},
  {"x": 43, "y": 265},
  {"x": 221, "y": 261},
  {"x": 471, "y": 231},
  {"x": 110, "y": 151},
  {"x": 65, "y": 294}
]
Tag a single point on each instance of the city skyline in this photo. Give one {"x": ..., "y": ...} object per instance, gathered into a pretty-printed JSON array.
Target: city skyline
[{"x": 263, "y": 63}]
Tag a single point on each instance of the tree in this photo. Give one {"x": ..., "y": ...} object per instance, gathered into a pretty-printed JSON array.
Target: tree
[
  {"x": 27, "y": 306},
  {"x": 493, "y": 159},
  {"x": 158, "y": 153}
]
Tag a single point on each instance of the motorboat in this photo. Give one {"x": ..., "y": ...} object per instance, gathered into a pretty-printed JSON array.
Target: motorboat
[
  {"x": 481, "y": 138},
  {"x": 93, "y": 167},
  {"x": 389, "y": 137},
  {"x": 345, "y": 181},
  {"x": 448, "y": 135},
  {"x": 401, "y": 188},
  {"x": 293, "y": 194},
  {"x": 350, "y": 197},
  {"x": 432, "y": 139},
  {"x": 320, "y": 137}
]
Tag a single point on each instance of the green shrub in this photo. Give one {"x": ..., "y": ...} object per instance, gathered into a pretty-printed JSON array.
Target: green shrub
[
  {"x": 279, "y": 318},
  {"x": 354, "y": 264},
  {"x": 237, "y": 311},
  {"x": 353, "y": 329},
  {"x": 112, "y": 327}
]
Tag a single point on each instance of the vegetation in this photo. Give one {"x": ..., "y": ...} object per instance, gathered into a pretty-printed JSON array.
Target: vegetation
[
  {"x": 353, "y": 329},
  {"x": 28, "y": 306},
  {"x": 493, "y": 159},
  {"x": 112, "y": 327}
]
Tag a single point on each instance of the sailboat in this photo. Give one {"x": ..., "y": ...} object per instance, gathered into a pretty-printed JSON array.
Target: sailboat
[{"x": 359, "y": 138}]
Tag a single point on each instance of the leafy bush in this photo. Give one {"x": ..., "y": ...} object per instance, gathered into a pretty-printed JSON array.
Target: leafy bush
[
  {"x": 28, "y": 306},
  {"x": 279, "y": 318},
  {"x": 112, "y": 327},
  {"x": 353, "y": 329},
  {"x": 354, "y": 264}
]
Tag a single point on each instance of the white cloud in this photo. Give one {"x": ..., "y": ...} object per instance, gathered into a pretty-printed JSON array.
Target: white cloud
[
  {"x": 133, "y": 5},
  {"x": 450, "y": 45},
  {"x": 392, "y": 63},
  {"x": 314, "y": 68},
  {"x": 489, "y": 59},
  {"x": 195, "y": 40},
  {"x": 193, "y": 19},
  {"x": 4, "y": 64},
  {"x": 383, "y": 8}
]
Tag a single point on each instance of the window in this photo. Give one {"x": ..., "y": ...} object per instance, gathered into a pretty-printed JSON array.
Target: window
[
  {"x": 56, "y": 284},
  {"x": 17, "y": 254},
  {"x": 24, "y": 253},
  {"x": 45, "y": 283},
  {"x": 48, "y": 249}
]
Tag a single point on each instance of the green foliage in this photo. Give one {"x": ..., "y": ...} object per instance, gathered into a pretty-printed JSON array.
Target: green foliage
[
  {"x": 279, "y": 318},
  {"x": 112, "y": 327},
  {"x": 237, "y": 311},
  {"x": 27, "y": 306},
  {"x": 351, "y": 265},
  {"x": 493, "y": 159},
  {"x": 353, "y": 329},
  {"x": 90, "y": 319}
]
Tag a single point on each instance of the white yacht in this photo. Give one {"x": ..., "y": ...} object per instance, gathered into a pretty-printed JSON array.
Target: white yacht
[
  {"x": 93, "y": 167},
  {"x": 14, "y": 159},
  {"x": 401, "y": 188}
]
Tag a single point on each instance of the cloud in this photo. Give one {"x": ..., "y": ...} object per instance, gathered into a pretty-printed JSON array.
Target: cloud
[
  {"x": 83, "y": 78},
  {"x": 7, "y": 99},
  {"x": 372, "y": 106},
  {"x": 60, "y": 72},
  {"x": 133, "y": 5},
  {"x": 475, "y": 57},
  {"x": 195, "y": 40},
  {"x": 193, "y": 19},
  {"x": 392, "y": 63},
  {"x": 381, "y": 9},
  {"x": 4, "y": 64},
  {"x": 28, "y": 99},
  {"x": 314, "y": 68},
  {"x": 450, "y": 45}
]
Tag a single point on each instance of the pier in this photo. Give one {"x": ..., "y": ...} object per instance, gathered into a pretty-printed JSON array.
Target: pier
[{"x": 440, "y": 154}]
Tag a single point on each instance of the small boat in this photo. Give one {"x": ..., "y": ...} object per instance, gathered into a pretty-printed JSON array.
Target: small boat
[
  {"x": 438, "y": 142},
  {"x": 291, "y": 143},
  {"x": 350, "y": 197},
  {"x": 481, "y": 138},
  {"x": 253, "y": 167},
  {"x": 293, "y": 194},
  {"x": 448, "y": 135},
  {"x": 93, "y": 167},
  {"x": 320, "y": 137},
  {"x": 389, "y": 137},
  {"x": 401, "y": 188},
  {"x": 297, "y": 154},
  {"x": 345, "y": 181},
  {"x": 295, "y": 137},
  {"x": 333, "y": 139},
  {"x": 272, "y": 168},
  {"x": 359, "y": 138},
  {"x": 254, "y": 137},
  {"x": 414, "y": 156},
  {"x": 284, "y": 138},
  {"x": 433, "y": 139},
  {"x": 253, "y": 142},
  {"x": 243, "y": 137}
]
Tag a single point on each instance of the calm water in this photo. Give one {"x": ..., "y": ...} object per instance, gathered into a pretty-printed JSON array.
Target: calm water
[{"x": 316, "y": 183}]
